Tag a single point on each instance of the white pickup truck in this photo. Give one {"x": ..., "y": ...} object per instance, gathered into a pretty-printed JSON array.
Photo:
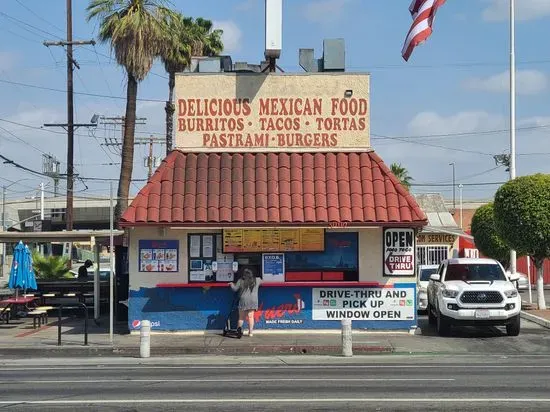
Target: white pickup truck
[{"x": 474, "y": 292}]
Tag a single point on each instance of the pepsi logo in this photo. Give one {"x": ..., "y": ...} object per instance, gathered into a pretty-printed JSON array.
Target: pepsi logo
[{"x": 136, "y": 324}]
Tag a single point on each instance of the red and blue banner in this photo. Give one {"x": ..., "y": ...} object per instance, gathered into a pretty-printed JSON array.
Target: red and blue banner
[{"x": 280, "y": 307}]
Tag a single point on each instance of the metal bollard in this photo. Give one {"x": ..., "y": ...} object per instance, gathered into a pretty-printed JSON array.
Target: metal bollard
[
  {"x": 347, "y": 342},
  {"x": 145, "y": 339}
]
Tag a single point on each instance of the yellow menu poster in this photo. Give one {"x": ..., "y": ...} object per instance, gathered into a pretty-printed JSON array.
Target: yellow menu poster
[
  {"x": 232, "y": 240},
  {"x": 290, "y": 240},
  {"x": 273, "y": 240},
  {"x": 312, "y": 240},
  {"x": 252, "y": 239}
]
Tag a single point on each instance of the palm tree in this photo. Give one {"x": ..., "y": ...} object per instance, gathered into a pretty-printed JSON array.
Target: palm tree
[
  {"x": 51, "y": 267},
  {"x": 135, "y": 31},
  {"x": 186, "y": 37},
  {"x": 402, "y": 174}
]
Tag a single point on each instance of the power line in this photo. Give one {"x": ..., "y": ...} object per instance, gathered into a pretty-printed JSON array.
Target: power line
[
  {"x": 23, "y": 141},
  {"x": 443, "y": 135},
  {"x": 28, "y": 25},
  {"x": 462, "y": 178},
  {"x": 33, "y": 86},
  {"x": 63, "y": 133},
  {"x": 456, "y": 65},
  {"x": 450, "y": 184},
  {"x": 439, "y": 146},
  {"x": 37, "y": 15}
]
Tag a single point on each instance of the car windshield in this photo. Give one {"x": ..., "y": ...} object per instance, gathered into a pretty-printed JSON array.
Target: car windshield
[
  {"x": 474, "y": 272},
  {"x": 426, "y": 273}
]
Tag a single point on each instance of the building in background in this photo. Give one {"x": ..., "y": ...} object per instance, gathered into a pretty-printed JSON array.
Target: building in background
[{"x": 439, "y": 239}]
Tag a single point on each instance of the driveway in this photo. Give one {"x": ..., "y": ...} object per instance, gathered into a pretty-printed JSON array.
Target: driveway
[{"x": 533, "y": 340}]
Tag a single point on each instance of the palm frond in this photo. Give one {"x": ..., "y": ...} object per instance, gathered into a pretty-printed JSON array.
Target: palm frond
[
  {"x": 402, "y": 174},
  {"x": 50, "y": 267},
  {"x": 134, "y": 30}
]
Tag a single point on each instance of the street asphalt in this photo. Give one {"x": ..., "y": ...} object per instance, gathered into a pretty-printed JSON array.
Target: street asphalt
[{"x": 299, "y": 383}]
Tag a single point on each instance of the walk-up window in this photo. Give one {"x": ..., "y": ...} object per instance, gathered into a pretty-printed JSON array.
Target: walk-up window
[{"x": 338, "y": 262}]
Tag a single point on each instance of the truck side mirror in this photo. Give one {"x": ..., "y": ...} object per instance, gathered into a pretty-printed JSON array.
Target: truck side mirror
[{"x": 435, "y": 277}]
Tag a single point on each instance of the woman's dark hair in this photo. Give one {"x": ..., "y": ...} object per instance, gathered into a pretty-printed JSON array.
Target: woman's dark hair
[
  {"x": 248, "y": 280},
  {"x": 88, "y": 263}
]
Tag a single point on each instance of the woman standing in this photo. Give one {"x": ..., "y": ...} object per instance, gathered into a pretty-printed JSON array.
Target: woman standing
[{"x": 247, "y": 287}]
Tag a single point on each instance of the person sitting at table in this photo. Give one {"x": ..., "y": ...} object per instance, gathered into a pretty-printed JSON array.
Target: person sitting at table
[{"x": 83, "y": 270}]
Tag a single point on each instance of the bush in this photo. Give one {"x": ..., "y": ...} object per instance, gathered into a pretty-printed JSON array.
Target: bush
[{"x": 50, "y": 267}]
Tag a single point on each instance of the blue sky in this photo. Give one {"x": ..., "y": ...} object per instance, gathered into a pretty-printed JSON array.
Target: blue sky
[{"x": 454, "y": 87}]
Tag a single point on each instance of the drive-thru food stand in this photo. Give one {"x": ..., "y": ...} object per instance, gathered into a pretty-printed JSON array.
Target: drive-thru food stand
[{"x": 273, "y": 172}]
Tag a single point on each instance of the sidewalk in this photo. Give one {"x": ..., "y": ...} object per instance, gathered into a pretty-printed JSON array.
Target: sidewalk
[{"x": 18, "y": 338}]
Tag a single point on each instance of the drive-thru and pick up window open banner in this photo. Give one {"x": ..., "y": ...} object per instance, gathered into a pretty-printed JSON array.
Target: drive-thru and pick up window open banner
[{"x": 363, "y": 304}]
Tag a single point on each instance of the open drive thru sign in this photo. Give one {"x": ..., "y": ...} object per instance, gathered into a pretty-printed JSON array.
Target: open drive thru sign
[{"x": 399, "y": 252}]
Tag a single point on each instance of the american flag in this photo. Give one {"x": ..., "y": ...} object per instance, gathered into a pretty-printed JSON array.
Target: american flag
[{"x": 423, "y": 14}]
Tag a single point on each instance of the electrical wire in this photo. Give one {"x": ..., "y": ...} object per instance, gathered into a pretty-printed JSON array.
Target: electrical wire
[
  {"x": 34, "y": 86},
  {"x": 38, "y": 16},
  {"x": 61, "y": 176},
  {"x": 21, "y": 22},
  {"x": 460, "y": 134},
  {"x": 454, "y": 149}
]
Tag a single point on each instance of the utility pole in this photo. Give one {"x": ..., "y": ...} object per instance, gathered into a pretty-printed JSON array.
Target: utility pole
[
  {"x": 116, "y": 121},
  {"x": 3, "y": 228},
  {"x": 454, "y": 186},
  {"x": 512, "y": 110},
  {"x": 70, "y": 126},
  {"x": 42, "y": 202},
  {"x": 50, "y": 167},
  {"x": 150, "y": 159}
]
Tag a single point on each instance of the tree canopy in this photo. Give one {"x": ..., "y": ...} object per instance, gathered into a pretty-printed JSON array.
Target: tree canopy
[
  {"x": 486, "y": 236},
  {"x": 522, "y": 218},
  {"x": 134, "y": 29},
  {"x": 522, "y": 215}
]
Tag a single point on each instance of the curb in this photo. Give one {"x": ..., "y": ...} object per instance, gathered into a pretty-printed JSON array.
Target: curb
[
  {"x": 535, "y": 319},
  {"x": 133, "y": 351}
]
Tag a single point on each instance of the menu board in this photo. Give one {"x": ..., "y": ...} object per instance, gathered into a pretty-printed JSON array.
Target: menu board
[
  {"x": 312, "y": 240},
  {"x": 158, "y": 255},
  {"x": 273, "y": 240}
]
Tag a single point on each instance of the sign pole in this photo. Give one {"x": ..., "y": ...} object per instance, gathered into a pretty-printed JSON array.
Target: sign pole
[
  {"x": 111, "y": 264},
  {"x": 512, "y": 110}
]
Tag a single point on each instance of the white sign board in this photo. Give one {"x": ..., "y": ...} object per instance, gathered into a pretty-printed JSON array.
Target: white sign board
[
  {"x": 273, "y": 267},
  {"x": 399, "y": 252},
  {"x": 363, "y": 303}
]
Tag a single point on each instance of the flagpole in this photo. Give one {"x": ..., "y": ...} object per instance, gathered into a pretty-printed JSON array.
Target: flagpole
[{"x": 512, "y": 110}]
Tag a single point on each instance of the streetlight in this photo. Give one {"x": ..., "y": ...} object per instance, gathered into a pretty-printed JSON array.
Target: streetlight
[
  {"x": 460, "y": 186},
  {"x": 454, "y": 186}
]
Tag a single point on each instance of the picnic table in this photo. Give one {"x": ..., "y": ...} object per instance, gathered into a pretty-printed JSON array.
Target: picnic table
[{"x": 6, "y": 305}]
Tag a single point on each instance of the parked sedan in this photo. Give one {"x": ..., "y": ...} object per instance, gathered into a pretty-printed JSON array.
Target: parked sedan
[
  {"x": 522, "y": 283},
  {"x": 103, "y": 273},
  {"x": 423, "y": 279}
]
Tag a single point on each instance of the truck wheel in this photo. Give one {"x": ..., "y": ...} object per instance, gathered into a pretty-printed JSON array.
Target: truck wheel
[
  {"x": 513, "y": 328},
  {"x": 443, "y": 325},
  {"x": 432, "y": 320}
]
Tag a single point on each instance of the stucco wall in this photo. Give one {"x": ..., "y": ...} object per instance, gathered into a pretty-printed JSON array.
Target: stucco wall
[{"x": 151, "y": 279}]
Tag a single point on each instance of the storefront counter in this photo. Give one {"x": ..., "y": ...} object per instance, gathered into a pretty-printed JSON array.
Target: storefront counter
[{"x": 290, "y": 305}]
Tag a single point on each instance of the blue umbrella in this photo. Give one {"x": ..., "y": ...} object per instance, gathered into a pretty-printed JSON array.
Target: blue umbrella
[{"x": 22, "y": 274}]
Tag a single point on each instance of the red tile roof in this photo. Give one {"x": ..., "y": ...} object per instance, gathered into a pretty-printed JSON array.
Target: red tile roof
[{"x": 263, "y": 189}]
